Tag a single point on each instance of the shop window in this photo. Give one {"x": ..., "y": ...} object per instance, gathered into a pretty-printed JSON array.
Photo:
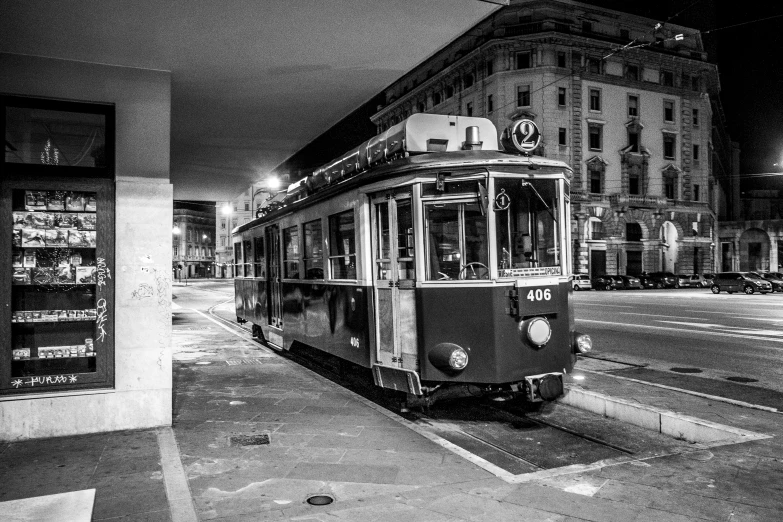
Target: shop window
[
  {"x": 523, "y": 96},
  {"x": 669, "y": 143},
  {"x": 668, "y": 111},
  {"x": 524, "y": 60},
  {"x": 633, "y": 106},
  {"x": 342, "y": 246},
  {"x": 313, "y": 250},
  {"x": 595, "y": 137},
  {"x": 291, "y": 252},
  {"x": 561, "y": 96},
  {"x": 595, "y": 100}
]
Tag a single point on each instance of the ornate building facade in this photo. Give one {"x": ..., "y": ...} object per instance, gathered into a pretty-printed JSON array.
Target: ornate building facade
[
  {"x": 632, "y": 105},
  {"x": 193, "y": 239}
]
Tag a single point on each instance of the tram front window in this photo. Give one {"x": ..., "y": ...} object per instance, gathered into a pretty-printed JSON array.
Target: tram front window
[
  {"x": 526, "y": 224},
  {"x": 456, "y": 241}
]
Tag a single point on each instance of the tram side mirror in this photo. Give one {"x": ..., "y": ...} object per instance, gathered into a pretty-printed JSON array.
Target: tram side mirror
[{"x": 483, "y": 199}]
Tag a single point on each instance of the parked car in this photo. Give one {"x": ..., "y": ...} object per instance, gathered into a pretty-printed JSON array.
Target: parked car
[
  {"x": 631, "y": 282},
  {"x": 581, "y": 282},
  {"x": 693, "y": 281},
  {"x": 618, "y": 282},
  {"x": 682, "y": 281},
  {"x": 604, "y": 282},
  {"x": 645, "y": 280},
  {"x": 708, "y": 277},
  {"x": 731, "y": 282},
  {"x": 663, "y": 279},
  {"x": 775, "y": 278}
]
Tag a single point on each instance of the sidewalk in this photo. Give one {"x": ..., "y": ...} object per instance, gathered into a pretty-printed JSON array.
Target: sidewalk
[{"x": 255, "y": 435}]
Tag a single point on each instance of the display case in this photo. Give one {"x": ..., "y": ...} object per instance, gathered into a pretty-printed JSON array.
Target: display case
[{"x": 57, "y": 260}]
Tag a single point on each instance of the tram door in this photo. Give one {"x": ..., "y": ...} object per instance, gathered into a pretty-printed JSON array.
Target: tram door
[
  {"x": 274, "y": 286},
  {"x": 394, "y": 280}
]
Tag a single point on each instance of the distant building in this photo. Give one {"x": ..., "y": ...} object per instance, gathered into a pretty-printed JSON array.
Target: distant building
[
  {"x": 755, "y": 240},
  {"x": 633, "y": 109},
  {"x": 229, "y": 215},
  {"x": 193, "y": 239}
]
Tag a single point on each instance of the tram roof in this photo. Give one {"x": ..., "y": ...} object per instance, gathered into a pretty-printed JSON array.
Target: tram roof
[{"x": 451, "y": 161}]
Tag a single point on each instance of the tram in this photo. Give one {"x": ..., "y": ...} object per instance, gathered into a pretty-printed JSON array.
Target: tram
[{"x": 428, "y": 255}]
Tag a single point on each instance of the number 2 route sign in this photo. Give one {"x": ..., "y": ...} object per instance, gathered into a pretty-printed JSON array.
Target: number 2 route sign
[{"x": 524, "y": 135}]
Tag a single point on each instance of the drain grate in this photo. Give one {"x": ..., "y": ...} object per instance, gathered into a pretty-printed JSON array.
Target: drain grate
[
  {"x": 741, "y": 379},
  {"x": 251, "y": 360},
  {"x": 249, "y": 440},
  {"x": 685, "y": 370}
]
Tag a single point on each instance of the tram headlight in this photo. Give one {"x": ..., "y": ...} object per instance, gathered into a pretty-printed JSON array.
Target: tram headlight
[
  {"x": 449, "y": 357},
  {"x": 583, "y": 343},
  {"x": 535, "y": 330}
]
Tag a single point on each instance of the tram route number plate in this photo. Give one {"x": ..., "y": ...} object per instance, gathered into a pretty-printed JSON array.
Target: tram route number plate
[{"x": 537, "y": 299}]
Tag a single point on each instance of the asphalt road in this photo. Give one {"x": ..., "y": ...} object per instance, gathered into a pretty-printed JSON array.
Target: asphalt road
[{"x": 725, "y": 337}]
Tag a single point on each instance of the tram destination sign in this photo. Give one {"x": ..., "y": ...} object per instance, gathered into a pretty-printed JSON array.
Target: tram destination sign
[{"x": 530, "y": 272}]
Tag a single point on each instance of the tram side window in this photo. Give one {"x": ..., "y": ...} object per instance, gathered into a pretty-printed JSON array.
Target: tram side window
[
  {"x": 291, "y": 253},
  {"x": 342, "y": 246},
  {"x": 456, "y": 241},
  {"x": 247, "y": 258},
  {"x": 237, "y": 259},
  {"x": 258, "y": 253},
  {"x": 526, "y": 223},
  {"x": 313, "y": 250}
]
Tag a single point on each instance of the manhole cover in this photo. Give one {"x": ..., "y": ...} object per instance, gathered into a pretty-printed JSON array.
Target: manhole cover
[
  {"x": 685, "y": 370},
  {"x": 249, "y": 440},
  {"x": 320, "y": 500},
  {"x": 741, "y": 379}
]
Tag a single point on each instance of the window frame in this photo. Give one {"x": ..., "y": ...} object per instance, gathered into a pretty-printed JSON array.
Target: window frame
[
  {"x": 310, "y": 261},
  {"x": 291, "y": 265},
  {"x": 594, "y": 94},
  {"x": 562, "y": 96},
  {"x": 631, "y": 107},
  {"x": 518, "y": 62},
  {"x": 669, "y": 105},
  {"x": 669, "y": 138},
  {"x": 562, "y": 136},
  {"x": 600, "y": 131},
  {"x": 334, "y": 246},
  {"x": 521, "y": 94}
]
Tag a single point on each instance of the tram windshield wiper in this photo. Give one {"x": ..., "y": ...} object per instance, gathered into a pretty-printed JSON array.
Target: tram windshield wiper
[{"x": 530, "y": 185}]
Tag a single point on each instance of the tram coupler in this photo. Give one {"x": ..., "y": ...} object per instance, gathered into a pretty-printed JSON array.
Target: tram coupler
[{"x": 543, "y": 387}]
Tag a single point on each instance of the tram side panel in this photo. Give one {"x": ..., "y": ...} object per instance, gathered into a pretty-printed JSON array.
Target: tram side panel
[
  {"x": 327, "y": 317},
  {"x": 250, "y": 300},
  {"x": 482, "y": 321}
]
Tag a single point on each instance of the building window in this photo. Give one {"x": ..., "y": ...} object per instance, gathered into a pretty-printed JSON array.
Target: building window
[
  {"x": 695, "y": 117},
  {"x": 523, "y": 60},
  {"x": 595, "y": 133},
  {"x": 632, "y": 72},
  {"x": 596, "y": 174},
  {"x": 696, "y": 194},
  {"x": 190, "y": 250},
  {"x": 633, "y": 140},
  {"x": 468, "y": 80},
  {"x": 313, "y": 250},
  {"x": 667, "y": 78},
  {"x": 234, "y": 223},
  {"x": 596, "y": 229},
  {"x": 490, "y": 103},
  {"x": 421, "y": 107},
  {"x": 247, "y": 206},
  {"x": 222, "y": 241},
  {"x": 561, "y": 136},
  {"x": 490, "y": 67},
  {"x": 669, "y": 187},
  {"x": 223, "y": 224},
  {"x": 436, "y": 98},
  {"x": 561, "y": 58},
  {"x": 176, "y": 251},
  {"x": 668, "y": 111},
  {"x": 291, "y": 253},
  {"x": 633, "y": 105},
  {"x": 523, "y": 96},
  {"x": 469, "y": 108},
  {"x": 625, "y": 34},
  {"x": 696, "y": 154},
  {"x": 595, "y": 100},
  {"x": 342, "y": 246},
  {"x": 634, "y": 181},
  {"x": 669, "y": 142},
  {"x": 594, "y": 65},
  {"x": 633, "y": 232},
  {"x": 561, "y": 96},
  {"x": 587, "y": 27},
  {"x": 449, "y": 91}
]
